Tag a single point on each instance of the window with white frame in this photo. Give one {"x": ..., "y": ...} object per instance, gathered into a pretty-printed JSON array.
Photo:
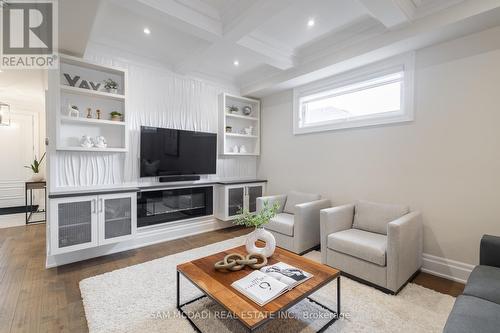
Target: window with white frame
[{"x": 377, "y": 94}]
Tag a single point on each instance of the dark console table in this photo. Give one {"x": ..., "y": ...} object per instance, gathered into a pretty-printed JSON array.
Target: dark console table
[{"x": 29, "y": 187}]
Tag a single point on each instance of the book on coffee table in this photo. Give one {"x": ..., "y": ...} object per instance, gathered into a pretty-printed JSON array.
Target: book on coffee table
[{"x": 270, "y": 282}]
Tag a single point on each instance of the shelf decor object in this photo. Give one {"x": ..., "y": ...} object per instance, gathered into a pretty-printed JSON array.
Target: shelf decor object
[
  {"x": 241, "y": 116},
  {"x": 103, "y": 106}
]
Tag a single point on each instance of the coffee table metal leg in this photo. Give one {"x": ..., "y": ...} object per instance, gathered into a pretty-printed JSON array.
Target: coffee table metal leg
[
  {"x": 338, "y": 296},
  {"x": 178, "y": 292}
]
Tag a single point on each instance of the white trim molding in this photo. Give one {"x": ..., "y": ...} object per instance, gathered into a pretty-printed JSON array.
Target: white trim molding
[{"x": 446, "y": 268}]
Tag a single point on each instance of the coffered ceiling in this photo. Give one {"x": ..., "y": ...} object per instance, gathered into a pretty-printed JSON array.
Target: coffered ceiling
[{"x": 264, "y": 46}]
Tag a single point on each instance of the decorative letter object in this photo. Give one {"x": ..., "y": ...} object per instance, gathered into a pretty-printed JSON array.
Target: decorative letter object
[
  {"x": 95, "y": 86},
  {"x": 72, "y": 81},
  {"x": 84, "y": 85}
]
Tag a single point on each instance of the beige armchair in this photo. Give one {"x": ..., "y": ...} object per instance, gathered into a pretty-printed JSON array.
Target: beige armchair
[
  {"x": 296, "y": 226},
  {"x": 378, "y": 243}
]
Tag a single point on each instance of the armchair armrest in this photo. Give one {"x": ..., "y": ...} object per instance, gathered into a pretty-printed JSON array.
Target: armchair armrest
[
  {"x": 271, "y": 199},
  {"x": 404, "y": 249},
  {"x": 489, "y": 251},
  {"x": 334, "y": 220},
  {"x": 306, "y": 228}
]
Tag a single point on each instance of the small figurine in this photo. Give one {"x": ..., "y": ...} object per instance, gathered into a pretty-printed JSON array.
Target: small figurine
[
  {"x": 89, "y": 113},
  {"x": 98, "y": 112},
  {"x": 85, "y": 141},
  {"x": 73, "y": 111},
  {"x": 100, "y": 142}
]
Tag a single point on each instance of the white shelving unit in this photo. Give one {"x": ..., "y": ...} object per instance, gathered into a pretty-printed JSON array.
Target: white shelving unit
[
  {"x": 69, "y": 129},
  {"x": 234, "y": 140}
]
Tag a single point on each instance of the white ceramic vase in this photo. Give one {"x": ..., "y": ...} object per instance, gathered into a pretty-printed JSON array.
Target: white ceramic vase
[
  {"x": 263, "y": 235},
  {"x": 37, "y": 177}
]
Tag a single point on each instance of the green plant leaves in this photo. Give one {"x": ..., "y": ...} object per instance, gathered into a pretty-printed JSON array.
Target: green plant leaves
[{"x": 258, "y": 219}]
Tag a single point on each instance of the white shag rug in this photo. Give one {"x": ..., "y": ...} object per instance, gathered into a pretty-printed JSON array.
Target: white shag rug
[{"x": 142, "y": 298}]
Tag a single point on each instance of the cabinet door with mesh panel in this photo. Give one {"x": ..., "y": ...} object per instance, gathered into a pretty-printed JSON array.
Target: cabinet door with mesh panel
[
  {"x": 254, "y": 192},
  {"x": 235, "y": 200},
  {"x": 117, "y": 217},
  {"x": 73, "y": 224}
]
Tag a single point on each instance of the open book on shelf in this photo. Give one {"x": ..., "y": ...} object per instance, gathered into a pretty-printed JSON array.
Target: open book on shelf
[{"x": 270, "y": 282}]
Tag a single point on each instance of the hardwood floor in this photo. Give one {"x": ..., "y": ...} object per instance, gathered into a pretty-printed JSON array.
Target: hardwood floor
[{"x": 35, "y": 299}]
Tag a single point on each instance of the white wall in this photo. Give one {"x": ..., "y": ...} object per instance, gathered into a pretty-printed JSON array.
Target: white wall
[
  {"x": 157, "y": 97},
  {"x": 23, "y": 90},
  {"x": 446, "y": 163}
]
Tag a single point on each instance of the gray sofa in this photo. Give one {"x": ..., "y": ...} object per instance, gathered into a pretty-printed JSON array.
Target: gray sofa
[
  {"x": 296, "y": 226},
  {"x": 478, "y": 308},
  {"x": 377, "y": 243}
]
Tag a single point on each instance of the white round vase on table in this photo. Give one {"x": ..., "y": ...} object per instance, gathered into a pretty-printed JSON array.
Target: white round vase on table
[
  {"x": 263, "y": 235},
  {"x": 37, "y": 177}
]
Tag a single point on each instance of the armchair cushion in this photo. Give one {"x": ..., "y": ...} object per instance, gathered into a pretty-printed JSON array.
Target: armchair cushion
[
  {"x": 294, "y": 198},
  {"x": 281, "y": 223},
  {"x": 484, "y": 282},
  {"x": 374, "y": 217},
  {"x": 360, "y": 244}
]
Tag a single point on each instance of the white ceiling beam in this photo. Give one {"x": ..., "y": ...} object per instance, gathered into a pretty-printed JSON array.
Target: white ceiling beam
[
  {"x": 275, "y": 56},
  {"x": 463, "y": 19},
  {"x": 76, "y": 18},
  {"x": 258, "y": 13},
  {"x": 190, "y": 16},
  {"x": 390, "y": 12}
]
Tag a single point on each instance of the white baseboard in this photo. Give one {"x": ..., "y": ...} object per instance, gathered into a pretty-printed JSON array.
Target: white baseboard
[
  {"x": 446, "y": 268},
  {"x": 142, "y": 238}
]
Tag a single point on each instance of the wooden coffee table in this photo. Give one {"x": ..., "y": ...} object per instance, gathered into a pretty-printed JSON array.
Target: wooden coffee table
[{"x": 217, "y": 286}]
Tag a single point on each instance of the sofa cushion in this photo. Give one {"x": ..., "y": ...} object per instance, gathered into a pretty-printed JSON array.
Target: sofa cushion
[
  {"x": 484, "y": 282},
  {"x": 294, "y": 198},
  {"x": 374, "y": 217},
  {"x": 472, "y": 314},
  {"x": 282, "y": 223},
  {"x": 360, "y": 244}
]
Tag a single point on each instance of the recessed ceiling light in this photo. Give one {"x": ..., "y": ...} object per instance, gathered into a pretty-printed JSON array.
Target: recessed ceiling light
[
  {"x": 147, "y": 31},
  {"x": 311, "y": 23},
  {"x": 236, "y": 63}
]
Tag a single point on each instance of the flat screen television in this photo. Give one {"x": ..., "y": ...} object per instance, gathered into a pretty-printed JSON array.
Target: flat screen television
[{"x": 171, "y": 152}]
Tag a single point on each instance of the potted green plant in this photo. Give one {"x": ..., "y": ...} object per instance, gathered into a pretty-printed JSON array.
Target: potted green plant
[
  {"x": 258, "y": 220},
  {"x": 116, "y": 116},
  {"x": 111, "y": 86},
  {"x": 35, "y": 167}
]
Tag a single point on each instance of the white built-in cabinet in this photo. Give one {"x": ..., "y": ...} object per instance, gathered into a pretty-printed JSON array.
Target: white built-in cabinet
[
  {"x": 239, "y": 121},
  {"x": 233, "y": 198},
  {"x": 88, "y": 221},
  {"x": 80, "y": 83}
]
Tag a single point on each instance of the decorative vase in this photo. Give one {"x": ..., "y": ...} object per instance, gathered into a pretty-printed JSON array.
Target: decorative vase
[
  {"x": 112, "y": 90},
  {"x": 263, "y": 235},
  {"x": 247, "y": 110},
  {"x": 116, "y": 118},
  {"x": 37, "y": 177}
]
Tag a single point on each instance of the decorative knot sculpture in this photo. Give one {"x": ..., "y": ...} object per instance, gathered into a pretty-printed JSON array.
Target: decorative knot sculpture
[{"x": 235, "y": 262}]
